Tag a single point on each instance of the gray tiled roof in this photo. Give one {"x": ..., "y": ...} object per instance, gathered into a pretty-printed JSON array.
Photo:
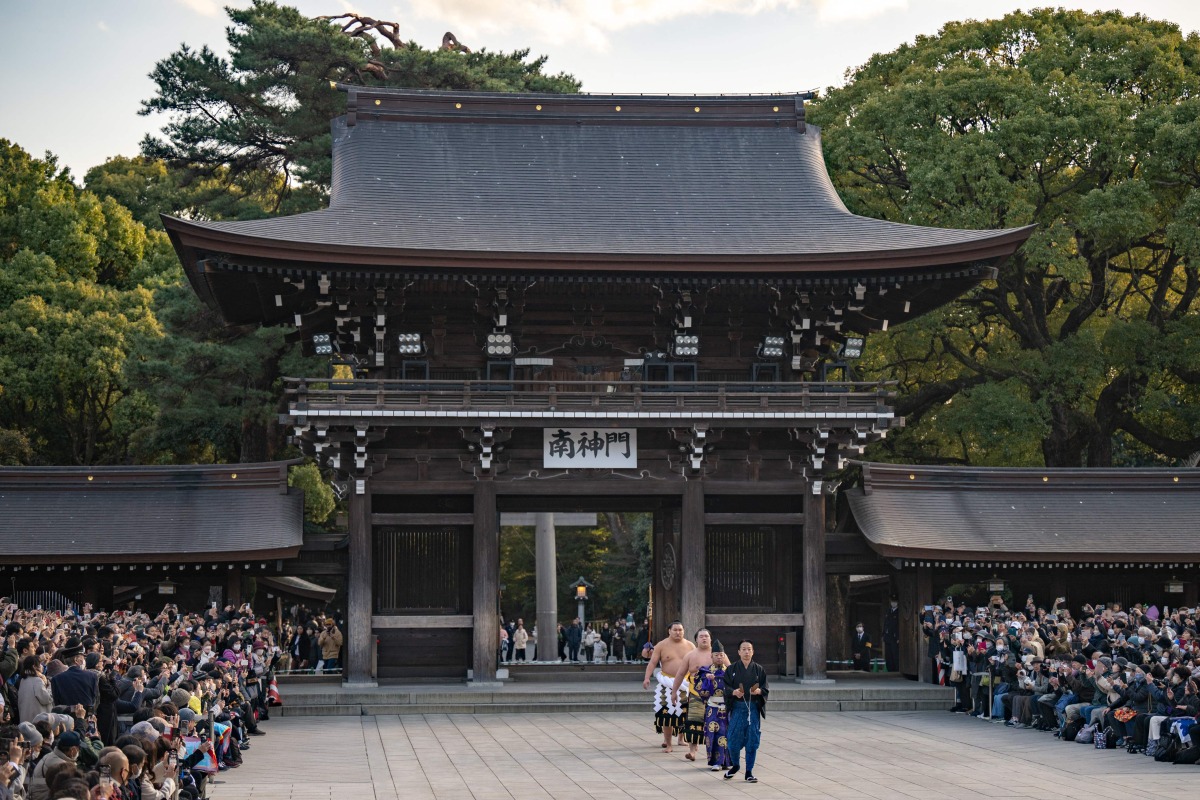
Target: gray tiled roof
[
  {"x": 1130, "y": 515},
  {"x": 150, "y": 514},
  {"x": 517, "y": 185}
]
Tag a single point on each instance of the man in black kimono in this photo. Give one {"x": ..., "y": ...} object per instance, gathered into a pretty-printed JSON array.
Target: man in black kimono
[
  {"x": 891, "y": 637},
  {"x": 746, "y": 701}
]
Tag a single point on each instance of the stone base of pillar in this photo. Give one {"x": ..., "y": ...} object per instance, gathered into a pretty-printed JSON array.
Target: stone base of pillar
[
  {"x": 488, "y": 683},
  {"x": 364, "y": 684},
  {"x": 816, "y": 681}
]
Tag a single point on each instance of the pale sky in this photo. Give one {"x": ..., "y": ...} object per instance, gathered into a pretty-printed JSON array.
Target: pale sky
[{"x": 77, "y": 69}]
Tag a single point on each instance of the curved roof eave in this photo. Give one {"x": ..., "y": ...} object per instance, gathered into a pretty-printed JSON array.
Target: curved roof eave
[{"x": 206, "y": 237}]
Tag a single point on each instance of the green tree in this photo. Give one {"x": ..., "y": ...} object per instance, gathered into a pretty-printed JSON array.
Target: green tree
[
  {"x": 319, "y": 501},
  {"x": 266, "y": 110},
  {"x": 150, "y": 187},
  {"x": 1083, "y": 351},
  {"x": 615, "y": 556},
  {"x": 71, "y": 313}
]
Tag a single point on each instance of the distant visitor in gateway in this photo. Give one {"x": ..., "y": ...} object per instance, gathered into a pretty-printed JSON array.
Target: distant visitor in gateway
[
  {"x": 860, "y": 648},
  {"x": 670, "y": 656}
]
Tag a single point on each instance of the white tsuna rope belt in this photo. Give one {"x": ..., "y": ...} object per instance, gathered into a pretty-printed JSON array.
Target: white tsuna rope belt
[{"x": 664, "y": 697}]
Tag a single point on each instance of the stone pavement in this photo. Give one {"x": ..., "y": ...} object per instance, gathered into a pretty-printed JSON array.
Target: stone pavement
[{"x": 928, "y": 755}]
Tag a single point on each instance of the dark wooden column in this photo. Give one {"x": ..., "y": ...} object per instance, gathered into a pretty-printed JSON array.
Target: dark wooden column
[
  {"x": 360, "y": 584},
  {"x": 837, "y": 619},
  {"x": 233, "y": 587},
  {"x": 814, "y": 585},
  {"x": 691, "y": 558},
  {"x": 924, "y": 580},
  {"x": 486, "y": 583},
  {"x": 911, "y": 640}
]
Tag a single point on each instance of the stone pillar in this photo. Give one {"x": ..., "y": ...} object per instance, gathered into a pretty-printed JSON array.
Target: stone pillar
[
  {"x": 547, "y": 587},
  {"x": 691, "y": 559},
  {"x": 360, "y": 584},
  {"x": 814, "y": 585},
  {"x": 486, "y": 583}
]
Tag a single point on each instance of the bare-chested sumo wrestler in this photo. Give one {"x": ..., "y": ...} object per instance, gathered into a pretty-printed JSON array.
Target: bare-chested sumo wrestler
[{"x": 669, "y": 656}]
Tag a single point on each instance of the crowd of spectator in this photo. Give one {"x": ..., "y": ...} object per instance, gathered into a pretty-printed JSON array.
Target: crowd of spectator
[
  {"x": 1109, "y": 677},
  {"x": 620, "y": 641},
  {"x": 129, "y": 705},
  {"x": 312, "y": 643}
]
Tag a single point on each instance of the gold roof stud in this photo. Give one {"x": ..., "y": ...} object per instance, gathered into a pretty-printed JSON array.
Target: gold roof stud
[
  {"x": 618, "y": 108},
  {"x": 377, "y": 102},
  {"x": 1045, "y": 479},
  {"x": 775, "y": 108},
  {"x": 538, "y": 107},
  {"x": 1175, "y": 479},
  {"x": 696, "y": 109},
  {"x": 912, "y": 477},
  {"x": 458, "y": 105},
  {"x": 233, "y": 475},
  {"x": 90, "y": 478}
]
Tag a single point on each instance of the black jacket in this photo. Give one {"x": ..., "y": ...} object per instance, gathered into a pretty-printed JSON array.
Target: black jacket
[
  {"x": 76, "y": 685},
  {"x": 739, "y": 675}
]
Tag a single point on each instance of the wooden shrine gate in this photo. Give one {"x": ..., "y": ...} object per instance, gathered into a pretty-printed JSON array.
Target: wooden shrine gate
[{"x": 736, "y": 488}]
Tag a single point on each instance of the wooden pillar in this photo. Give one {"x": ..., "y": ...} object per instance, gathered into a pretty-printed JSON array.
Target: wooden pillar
[
  {"x": 837, "y": 619},
  {"x": 814, "y": 585},
  {"x": 486, "y": 583},
  {"x": 912, "y": 642},
  {"x": 360, "y": 583},
  {"x": 691, "y": 558},
  {"x": 233, "y": 587},
  {"x": 924, "y": 579}
]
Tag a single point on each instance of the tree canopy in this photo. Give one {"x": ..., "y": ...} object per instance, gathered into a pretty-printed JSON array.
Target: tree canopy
[
  {"x": 1084, "y": 350},
  {"x": 72, "y": 313},
  {"x": 265, "y": 110}
]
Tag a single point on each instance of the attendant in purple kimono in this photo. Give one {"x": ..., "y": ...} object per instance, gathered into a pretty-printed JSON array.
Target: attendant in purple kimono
[{"x": 710, "y": 685}]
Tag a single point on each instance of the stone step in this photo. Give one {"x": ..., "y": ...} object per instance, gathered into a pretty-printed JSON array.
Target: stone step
[
  {"x": 559, "y": 706},
  {"x": 512, "y": 696},
  {"x": 309, "y": 680},
  {"x": 557, "y": 673}
]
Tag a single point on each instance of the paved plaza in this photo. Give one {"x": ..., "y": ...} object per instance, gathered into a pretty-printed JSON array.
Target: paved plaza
[{"x": 925, "y": 755}]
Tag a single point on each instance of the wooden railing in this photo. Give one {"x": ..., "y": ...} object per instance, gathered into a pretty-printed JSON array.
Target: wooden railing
[{"x": 305, "y": 394}]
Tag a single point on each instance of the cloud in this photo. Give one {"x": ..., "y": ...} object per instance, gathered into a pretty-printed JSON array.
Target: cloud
[
  {"x": 591, "y": 22},
  {"x": 846, "y": 10},
  {"x": 207, "y": 8},
  {"x": 103, "y": 26}
]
